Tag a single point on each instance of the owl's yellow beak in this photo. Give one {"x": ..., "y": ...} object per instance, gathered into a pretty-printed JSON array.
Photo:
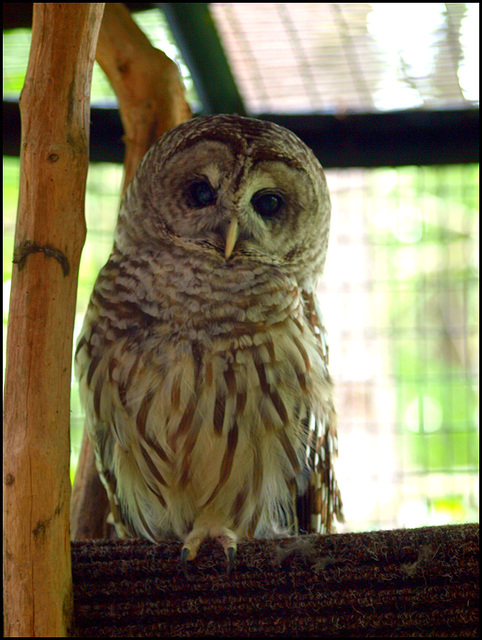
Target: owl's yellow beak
[{"x": 231, "y": 237}]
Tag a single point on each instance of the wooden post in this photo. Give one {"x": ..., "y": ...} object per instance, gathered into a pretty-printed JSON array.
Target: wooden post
[
  {"x": 49, "y": 237},
  {"x": 151, "y": 101}
]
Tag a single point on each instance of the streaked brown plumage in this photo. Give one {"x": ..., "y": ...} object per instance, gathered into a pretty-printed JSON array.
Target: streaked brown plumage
[{"x": 203, "y": 356}]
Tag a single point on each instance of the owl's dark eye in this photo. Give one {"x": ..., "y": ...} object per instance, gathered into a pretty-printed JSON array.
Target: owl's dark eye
[
  {"x": 266, "y": 204},
  {"x": 201, "y": 194}
]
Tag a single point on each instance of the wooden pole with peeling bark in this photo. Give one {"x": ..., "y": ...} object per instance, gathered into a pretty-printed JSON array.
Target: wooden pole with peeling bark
[{"x": 49, "y": 236}]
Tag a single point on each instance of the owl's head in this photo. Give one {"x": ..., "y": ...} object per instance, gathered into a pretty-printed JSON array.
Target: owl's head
[{"x": 235, "y": 189}]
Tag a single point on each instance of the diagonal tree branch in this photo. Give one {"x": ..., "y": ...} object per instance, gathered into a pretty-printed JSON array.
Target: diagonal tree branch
[{"x": 151, "y": 101}]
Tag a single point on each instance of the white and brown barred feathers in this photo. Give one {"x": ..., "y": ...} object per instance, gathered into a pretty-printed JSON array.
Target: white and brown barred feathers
[{"x": 203, "y": 377}]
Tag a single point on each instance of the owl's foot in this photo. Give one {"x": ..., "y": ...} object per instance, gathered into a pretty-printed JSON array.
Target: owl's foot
[{"x": 226, "y": 538}]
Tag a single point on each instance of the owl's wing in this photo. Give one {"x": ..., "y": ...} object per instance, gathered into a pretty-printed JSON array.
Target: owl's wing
[
  {"x": 107, "y": 358},
  {"x": 319, "y": 497}
]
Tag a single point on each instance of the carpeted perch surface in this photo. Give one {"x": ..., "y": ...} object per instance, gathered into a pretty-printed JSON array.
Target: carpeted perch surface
[{"x": 408, "y": 582}]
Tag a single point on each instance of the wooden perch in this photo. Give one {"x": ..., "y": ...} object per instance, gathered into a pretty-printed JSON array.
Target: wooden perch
[
  {"x": 49, "y": 237},
  {"x": 151, "y": 101}
]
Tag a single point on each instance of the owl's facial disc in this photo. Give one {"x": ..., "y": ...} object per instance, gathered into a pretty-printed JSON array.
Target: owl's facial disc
[{"x": 233, "y": 197}]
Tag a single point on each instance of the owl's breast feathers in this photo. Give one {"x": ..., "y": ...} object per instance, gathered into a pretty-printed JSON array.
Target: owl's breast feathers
[{"x": 198, "y": 383}]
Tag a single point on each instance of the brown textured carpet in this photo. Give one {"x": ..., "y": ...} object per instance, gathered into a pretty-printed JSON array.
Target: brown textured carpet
[{"x": 413, "y": 582}]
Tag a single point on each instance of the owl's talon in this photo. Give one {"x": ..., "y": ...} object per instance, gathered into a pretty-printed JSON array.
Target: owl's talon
[
  {"x": 184, "y": 557},
  {"x": 228, "y": 540},
  {"x": 230, "y": 553}
]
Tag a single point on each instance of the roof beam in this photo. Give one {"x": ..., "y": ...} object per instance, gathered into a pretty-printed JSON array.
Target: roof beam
[{"x": 398, "y": 138}]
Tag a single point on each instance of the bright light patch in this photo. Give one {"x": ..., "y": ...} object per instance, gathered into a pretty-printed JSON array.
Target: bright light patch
[
  {"x": 468, "y": 73},
  {"x": 424, "y": 415}
]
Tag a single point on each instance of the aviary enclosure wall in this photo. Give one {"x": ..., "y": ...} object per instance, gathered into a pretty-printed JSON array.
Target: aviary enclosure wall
[{"x": 400, "y": 299}]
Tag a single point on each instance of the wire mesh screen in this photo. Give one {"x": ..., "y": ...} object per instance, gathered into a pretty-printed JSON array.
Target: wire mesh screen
[
  {"x": 400, "y": 289},
  {"x": 309, "y": 57},
  {"x": 400, "y": 299}
]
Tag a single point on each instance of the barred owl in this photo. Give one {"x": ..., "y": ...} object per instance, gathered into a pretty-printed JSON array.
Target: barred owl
[{"x": 203, "y": 359}]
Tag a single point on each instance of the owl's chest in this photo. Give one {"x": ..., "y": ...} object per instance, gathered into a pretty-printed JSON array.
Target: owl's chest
[
  {"x": 266, "y": 371},
  {"x": 233, "y": 336},
  {"x": 204, "y": 348},
  {"x": 201, "y": 300}
]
